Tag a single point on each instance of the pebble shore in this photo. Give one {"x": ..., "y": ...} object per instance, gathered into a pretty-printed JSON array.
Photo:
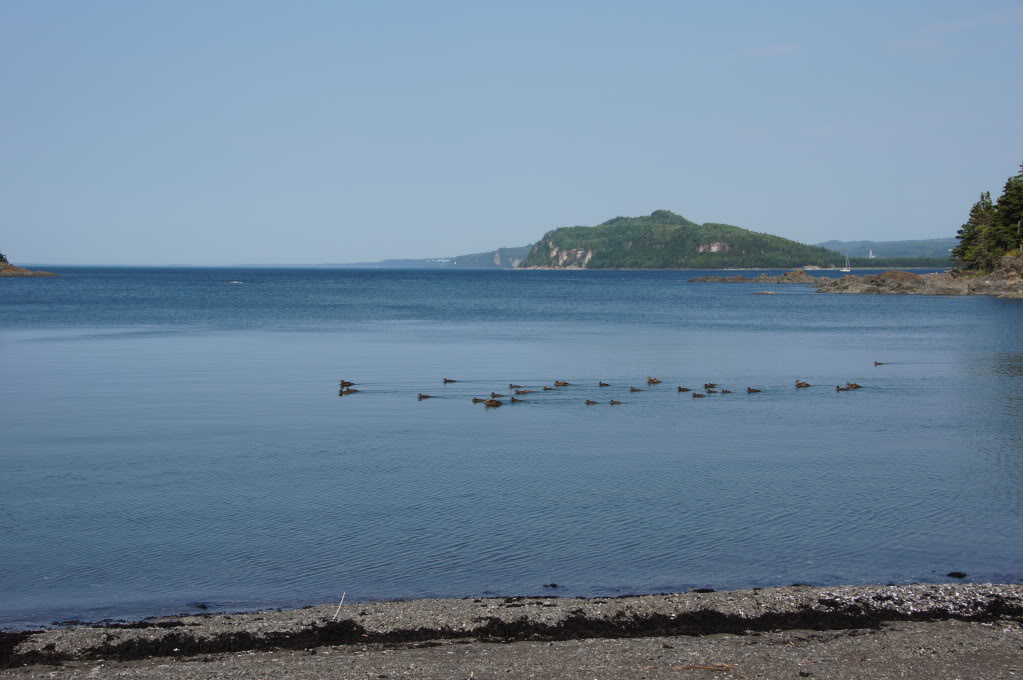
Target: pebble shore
[{"x": 452, "y": 636}]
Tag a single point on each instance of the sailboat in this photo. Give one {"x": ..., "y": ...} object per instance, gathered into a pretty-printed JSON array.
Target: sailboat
[{"x": 846, "y": 268}]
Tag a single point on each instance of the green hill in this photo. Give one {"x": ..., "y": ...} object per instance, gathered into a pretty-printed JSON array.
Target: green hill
[
  {"x": 664, "y": 240},
  {"x": 928, "y": 247}
]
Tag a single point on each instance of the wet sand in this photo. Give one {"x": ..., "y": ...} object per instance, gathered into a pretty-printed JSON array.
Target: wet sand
[{"x": 917, "y": 631}]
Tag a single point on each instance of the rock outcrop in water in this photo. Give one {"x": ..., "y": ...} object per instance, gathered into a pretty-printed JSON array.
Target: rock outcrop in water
[
  {"x": 8, "y": 269},
  {"x": 797, "y": 276},
  {"x": 1005, "y": 281}
]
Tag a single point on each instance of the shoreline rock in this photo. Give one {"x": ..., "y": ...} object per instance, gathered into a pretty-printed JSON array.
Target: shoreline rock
[
  {"x": 1006, "y": 281},
  {"x": 8, "y": 269}
]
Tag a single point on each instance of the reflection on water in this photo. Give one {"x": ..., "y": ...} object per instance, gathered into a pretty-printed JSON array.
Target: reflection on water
[{"x": 169, "y": 440}]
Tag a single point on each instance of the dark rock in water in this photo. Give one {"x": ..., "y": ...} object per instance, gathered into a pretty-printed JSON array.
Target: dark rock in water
[
  {"x": 797, "y": 276},
  {"x": 957, "y": 574},
  {"x": 551, "y": 585},
  {"x": 200, "y": 605},
  {"x": 703, "y": 590}
]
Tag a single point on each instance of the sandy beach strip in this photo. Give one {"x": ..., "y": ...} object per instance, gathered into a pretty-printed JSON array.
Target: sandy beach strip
[{"x": 944, "y": 630}]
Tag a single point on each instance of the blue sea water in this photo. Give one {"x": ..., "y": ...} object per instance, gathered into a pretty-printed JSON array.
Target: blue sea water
[{"x": 168, "y": 438}]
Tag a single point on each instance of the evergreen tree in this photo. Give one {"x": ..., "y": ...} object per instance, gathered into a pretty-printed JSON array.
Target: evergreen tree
[
  {"x": 1009, "y": 210},
  {"x": 974, "y": 236},
  {"x": 993, "y": 229}
]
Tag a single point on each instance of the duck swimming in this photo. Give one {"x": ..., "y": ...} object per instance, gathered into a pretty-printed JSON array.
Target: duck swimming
[
  {"x": 561, "y": 383},
  {"x": 635, "y": 389},
  {"x": 698, "y": 395},
  {"x": 448, "y": 380},
  {"x": 513, "y": 386},
  {"x": 800, "y": 383},
  {"x": 517, "y": 401},
  {"x": 614, "y": 402},
  {"x": 590, "y": 402},
  {"x": 523, "y": 391},
  {"x": 603, "y": 384},
  {"x": 495, "y": 395},
  {"x": 653, "y": 381},
  {"x": 684, "y": 389},
  {"x": 421, "y": 396},
  {"x": 345, "y": 383},
  {"x": 491, "y": 403},
  {"x": 708, "y": 386},
  {"x": 752, "y": 390},
  {"x": 343, "y": 393}
]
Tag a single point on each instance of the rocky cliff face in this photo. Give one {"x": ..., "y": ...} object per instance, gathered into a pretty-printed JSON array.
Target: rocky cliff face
[{"x": 567, "y": 258}]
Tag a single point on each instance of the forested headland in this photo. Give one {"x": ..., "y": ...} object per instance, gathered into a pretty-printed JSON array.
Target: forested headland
[{"x": 664, "y": 240}]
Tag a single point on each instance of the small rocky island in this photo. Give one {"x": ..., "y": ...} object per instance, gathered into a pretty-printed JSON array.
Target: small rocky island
[{"x": 8, "y": 269}]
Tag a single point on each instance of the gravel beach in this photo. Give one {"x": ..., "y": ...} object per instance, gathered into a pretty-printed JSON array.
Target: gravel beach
[{"x": 914, "y": 631}]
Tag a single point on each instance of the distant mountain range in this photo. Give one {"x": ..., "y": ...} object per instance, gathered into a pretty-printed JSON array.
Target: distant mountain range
[
  {"x": 928, "y": 247},
  {"x": 502, "y": 258}
]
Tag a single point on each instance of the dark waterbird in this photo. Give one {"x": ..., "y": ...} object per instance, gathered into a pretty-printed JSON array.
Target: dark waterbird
[
  {"x": 345, "y": 383},
  {"x": 853, "y": 386},
  {"x": 879, "y": 363},
  {"x": 708, "y": 386},
  {"x": 603, "y": 384},
  {"x": 517, "y": 401},
  {"x": 635, "y": 389},
  {"x": 422, "y": 396},
  {"x": 346, "y": 392},
  {"x": 495, "y": 395},
  {"x": 683, "y": 389},
  {"x": 513, "y": 386},
  {"x": 491, "y": 403},
  {"x": 590, "y": 402},
  {"x": 653, "y": 381},
  {"x": 614, "y": 402},
  {"x": 801, "y": 383},
  {"x": 752, "y": 390},
  {"x": 561, "y": 383},
  {"x": 448, "y": 380},
  {"x": 523, "y": 391},
  {"x": 698, "y": 395}
]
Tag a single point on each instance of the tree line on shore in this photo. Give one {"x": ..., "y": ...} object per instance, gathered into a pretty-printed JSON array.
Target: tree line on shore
[{"x": 994, "y": 228}]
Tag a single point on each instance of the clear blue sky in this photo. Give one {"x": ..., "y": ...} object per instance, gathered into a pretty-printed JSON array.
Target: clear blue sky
[{"x": 216, "y": 131}]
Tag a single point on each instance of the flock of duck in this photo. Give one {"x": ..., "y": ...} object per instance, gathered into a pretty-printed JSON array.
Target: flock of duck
[{"x": 347, "y": 387}]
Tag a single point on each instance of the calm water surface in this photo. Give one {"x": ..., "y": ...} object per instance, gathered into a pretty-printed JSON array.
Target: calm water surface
[{"x": 168, "y": 438}]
